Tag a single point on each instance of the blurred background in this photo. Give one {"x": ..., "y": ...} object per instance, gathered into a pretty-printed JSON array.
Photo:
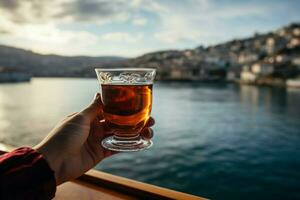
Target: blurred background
[{"x": 226, "y": 99}]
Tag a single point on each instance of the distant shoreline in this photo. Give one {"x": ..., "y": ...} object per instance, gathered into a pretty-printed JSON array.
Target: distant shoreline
[{"x": 184, "y": 81}]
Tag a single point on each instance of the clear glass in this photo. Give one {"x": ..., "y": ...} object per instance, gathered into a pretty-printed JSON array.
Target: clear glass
[{"x": 126, "y": 94}]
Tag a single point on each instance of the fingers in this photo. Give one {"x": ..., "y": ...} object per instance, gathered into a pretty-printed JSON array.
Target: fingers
[
  {"x": 150, "y": 122},
  {"x": 147, "y": 133},
  {"x": 101, "y": 122},
  {"x": 94, "y": 110}
]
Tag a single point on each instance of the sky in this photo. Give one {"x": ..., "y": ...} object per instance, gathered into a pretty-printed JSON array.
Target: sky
[{"x": 131, "y": 28}]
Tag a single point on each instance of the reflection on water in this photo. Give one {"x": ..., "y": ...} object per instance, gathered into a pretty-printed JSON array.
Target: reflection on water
[
  {"x": 30, "y": 110},
  {"x": 272, "y": 100},
  {"x": 217, "y": 141}
]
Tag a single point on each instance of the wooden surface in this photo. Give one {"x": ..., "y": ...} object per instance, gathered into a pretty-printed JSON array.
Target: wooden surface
[
  {"x": 99, "y": 185},
  {"x": 85, "y": 191},
  {"x": 132, "y": 187}
]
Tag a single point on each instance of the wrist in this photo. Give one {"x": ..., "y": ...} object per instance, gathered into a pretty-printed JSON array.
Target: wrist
[{"x": 52, "y": 160}]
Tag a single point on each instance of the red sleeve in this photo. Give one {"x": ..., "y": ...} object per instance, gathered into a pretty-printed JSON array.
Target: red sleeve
[{"x": 25, "y": 174}]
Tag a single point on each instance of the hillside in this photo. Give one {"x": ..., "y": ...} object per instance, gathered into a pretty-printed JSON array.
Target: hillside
[
  {"x": 50, "y": 65},
  {"x": 278, "y": 48}
]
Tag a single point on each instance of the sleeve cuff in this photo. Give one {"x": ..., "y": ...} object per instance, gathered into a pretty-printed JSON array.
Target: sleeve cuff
[{"x": 25, "y": 173}]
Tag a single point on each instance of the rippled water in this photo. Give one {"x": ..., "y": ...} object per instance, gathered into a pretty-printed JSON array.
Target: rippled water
[{"x": 216, "y": 141}]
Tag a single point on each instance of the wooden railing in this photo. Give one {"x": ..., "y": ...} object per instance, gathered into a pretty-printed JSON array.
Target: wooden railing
[{"x": 99, "y": 185}]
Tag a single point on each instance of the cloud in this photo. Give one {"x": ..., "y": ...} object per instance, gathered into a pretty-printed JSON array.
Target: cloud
[
  {"x": 103, "y": 26},
  {"x": 45, "y": 38},
  {"x": 122, "y": 37},
  {"x": 195, "y": 21},
  {"x": 48, "y": 38},
  {"x": 9, "y": 4},
  {"x": 29, "y": 11},
  {"x": 94, "y": 10},
  {"x": 40, "y": 11},
  {"x": 173, "y": 37},
  {"x": 4, "y": 31},
  {"x": 139, "y": 21}
]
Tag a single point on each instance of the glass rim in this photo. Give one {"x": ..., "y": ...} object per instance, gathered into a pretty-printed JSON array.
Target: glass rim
[{"x": 124, "y": 69}]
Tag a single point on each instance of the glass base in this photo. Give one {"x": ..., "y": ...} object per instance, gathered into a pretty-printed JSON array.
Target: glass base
[{"x": 138, "y": 144}]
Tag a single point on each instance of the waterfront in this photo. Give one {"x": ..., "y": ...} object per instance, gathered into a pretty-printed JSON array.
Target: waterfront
[{"x": 217, "y": 141}]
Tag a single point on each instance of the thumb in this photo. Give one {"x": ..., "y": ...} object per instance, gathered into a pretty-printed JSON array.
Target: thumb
[{"x": 94, "y": 110}]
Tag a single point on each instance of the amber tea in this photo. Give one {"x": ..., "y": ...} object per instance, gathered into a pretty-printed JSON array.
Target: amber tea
[{"x": 126, "y": 107}]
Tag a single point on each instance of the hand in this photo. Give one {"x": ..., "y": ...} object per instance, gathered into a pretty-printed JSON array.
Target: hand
[{"x": 74, "y": 145}]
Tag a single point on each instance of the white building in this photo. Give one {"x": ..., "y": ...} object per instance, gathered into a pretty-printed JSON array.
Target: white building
[
  {"x": 296, "y": 61},
  {"x": 270, "y": 45},
  {"x": 212, "y": 59},
  {"x": 294, "y": 42},
  {"x": 262, "y": 69},
  {"x": 247, "y": 57},
  {"x": 188, "y": 53},
  {"x": 281, "y": 32},
  {"x": 293, "y": 83},
  {"x": 180, "y": 73},
  {"x": 296, "y": 31},
  {"x": 257, "y": 70},
  {"x": 282, "y": 58},
  {"x": 176, "y": 73},
  {"x": 248, "y": 77}
]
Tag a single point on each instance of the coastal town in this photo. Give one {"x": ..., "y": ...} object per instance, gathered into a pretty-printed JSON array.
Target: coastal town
[{"x": 264, "y": 59}]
